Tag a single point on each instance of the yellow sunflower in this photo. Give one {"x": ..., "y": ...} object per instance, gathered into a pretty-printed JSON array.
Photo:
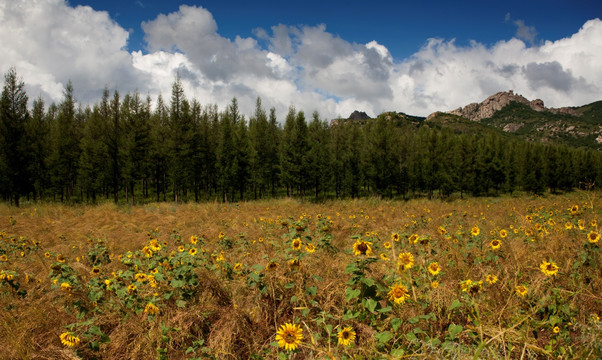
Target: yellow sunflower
[
  {"x": 346, "y": 336},
  {"x": 271, "y": 265},
  {"x": 181, "y": 248},
  {"x": 413, "y": 239},
  {"x": 3, "y": 258},
  {"x": 289, "y": 336},
  {"x": 60, "y": 258},
  {"x": 192, "y": 251},
  {"x": 434, "y": 268},
  {"x": 140, "y": 277},
  {"x": 521, "y": 290},
  {"x": 548, "y": 268},
  {"x": 296, "y": 244},
  {"x": 237, "y": 267},
  {"x": 491, "y": 279},
  {"x": 384, "y": 256},
  {"x": 399, "y": 293},
  {"x": 68, "y": 339},
  {"x": 503, "y": 233},
  {"x": 574, "y": 209},
  {"x": 475, "y": 230},
  {"x": 395, "y": 237},
  {"x": 441, "y": 230},
  {"x": 496, "y": 244},
  {"x": 405, "y": 261},
  {"x": 151, "y": 309},
  {"x": 66, "y": 287},
  {"x": 194, "y": 239},
  {"x": 435, "y": 284},
  {"x": 387, "y": 245},
  {"x": 361, "y": 247},
  {"x": 556, "y": 329},
  {"x": 310, "y": 248},
  {"x": 593, "y": 237}
]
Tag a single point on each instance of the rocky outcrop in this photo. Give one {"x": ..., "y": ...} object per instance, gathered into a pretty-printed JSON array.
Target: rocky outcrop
[
  {"x": 358, "y": 115},
  {"x": 486, "y": 109}
]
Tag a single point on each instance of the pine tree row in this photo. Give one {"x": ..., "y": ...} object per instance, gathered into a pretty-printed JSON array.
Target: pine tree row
[{"x": 129, "y": 150}]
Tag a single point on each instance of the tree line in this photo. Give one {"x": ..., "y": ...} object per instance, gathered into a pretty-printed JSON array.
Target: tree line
[{"x": 127, "y": 149}]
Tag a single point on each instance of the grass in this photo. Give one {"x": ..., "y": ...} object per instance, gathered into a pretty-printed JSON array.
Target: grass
[{"x": 223, "y": 279}]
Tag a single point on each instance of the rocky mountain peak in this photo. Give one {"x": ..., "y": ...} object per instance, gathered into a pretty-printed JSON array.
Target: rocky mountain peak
[
  {"x": 358, "y": 115},
  {"x": 486, "y": 109}
]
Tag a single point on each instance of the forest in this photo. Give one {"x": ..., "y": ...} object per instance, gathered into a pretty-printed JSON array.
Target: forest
[{"x": 131, "y": 149}]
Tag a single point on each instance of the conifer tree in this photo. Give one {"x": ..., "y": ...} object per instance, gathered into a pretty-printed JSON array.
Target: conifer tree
[{"x": 14, "y": 143}]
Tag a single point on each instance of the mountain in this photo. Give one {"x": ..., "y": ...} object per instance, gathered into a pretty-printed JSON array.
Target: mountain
[{"x": 515, "y": 115}]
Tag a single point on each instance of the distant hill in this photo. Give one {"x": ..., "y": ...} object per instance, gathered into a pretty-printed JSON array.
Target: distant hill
[{"x": 517, "y": 116}]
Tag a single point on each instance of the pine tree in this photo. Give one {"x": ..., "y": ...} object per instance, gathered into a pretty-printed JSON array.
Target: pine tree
[
  {"x": 38, "y": 133},
  {"x": 318, "y": 155},
  {"x": 15, "y": 157}
]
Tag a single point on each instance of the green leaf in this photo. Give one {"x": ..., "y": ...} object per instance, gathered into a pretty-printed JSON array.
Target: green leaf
[
  {"x": 311, "y": 290},
  {"x": 350, "y": 315},
  {"x": 386, "y": 309},
  {"x": 410, "y": 336},
  {"x": 454, "y": 330},
  {"x": 289, "y": 285},
  {"x": 456, "y": 304},
  {"x": 368, "y": 281},
  {"x": 181, "y": 303},
  {"x": 351, "y": 294},
  {"x": 413, "y": 320},
  {"x": 397, "y": 353},
  {"x": 370, "y": 304},
  {"x": 383, "y": 337},
  {"x": 351, "y": 268},
  {"x": 396, "y": 323}
]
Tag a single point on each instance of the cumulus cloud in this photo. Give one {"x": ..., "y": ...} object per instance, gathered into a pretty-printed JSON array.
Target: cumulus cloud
[{"x": 51, "y": 42}]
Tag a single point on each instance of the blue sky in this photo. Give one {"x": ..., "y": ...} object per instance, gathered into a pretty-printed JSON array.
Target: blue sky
[
  {"x": 332, "y": 56},
  {"x": 402, "y": 26}
]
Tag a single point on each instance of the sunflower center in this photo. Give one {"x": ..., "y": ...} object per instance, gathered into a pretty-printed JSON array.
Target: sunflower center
[
  {"x": 345, "y": 335},
  {"x": 362, "y": 248},
  {"x": 290, "y": 338}
]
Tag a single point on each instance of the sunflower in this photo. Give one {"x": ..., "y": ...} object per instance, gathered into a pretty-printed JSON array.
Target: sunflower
[
  {"x": 434, "y": 268},
  {"x": 466, "y": 285},
  {"x": 574, "y": 209},
  {"x": 289, "y": 336},
  {"x": 441, "y": 230},
  {"x": 271, "y": 265},
  {"x": 294, "y": 263},
  {"x": 3, "y": 258},
  {"x": 491, "y": 279},
  {"x": 475, "y": 230},
  {"x": 181, "y": 248},
  {"x": 95, "y": 270},
  {"x": 237, "y": 267},
  {"x": 47, "y": 254},
  {"x": 568, "y": 225},
  {"x": 413, "y": 239},
  {"x": 495, "y": 244},
  {"x": 435, "y": 284},
  {"x": 556, "y": 329},
  {"x": 548, "y": 268},
  {"x": 361, "y": 247},
  {"x": 151, "y": 309},
  {"x": 387, "y": 245},
  {"x": 399, "y": 293},
  {"x": 66, "y": 287},
  {"x": 405, "y": 261},
  {"x": 68, "y": 339},
  {"x": 147, "y": 251},
  {"x": 346, "y": 336},
  {"x": 594, "y": 223},
  {"x": 140, "y": 277},
  {"x": 310, "y": 248},
  {"x": 154, "y": 245},
  {"x": 192, "y": 251},
  {"x": 521, "y": 290},
  {"x": 593, "y": 237},
  {"x": 384, "y": 256},
  {"x": 60, "y": 258},
  {"x": 503, "y": 233},
  {"x": 581, "y": 224},
  {"x": 221, "y": 235},
  {"x": 296, "y": 244},
  {"x": 131, "y": 288},
  {"x": 395, "y": 237},
  {"x": 194, "y": 239}
]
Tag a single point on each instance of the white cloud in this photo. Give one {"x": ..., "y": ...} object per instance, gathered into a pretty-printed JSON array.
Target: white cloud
[{"x": 50, "y": 42}]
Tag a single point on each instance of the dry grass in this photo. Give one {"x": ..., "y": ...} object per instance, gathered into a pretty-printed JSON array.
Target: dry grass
[{"x": 231, "y": 314}]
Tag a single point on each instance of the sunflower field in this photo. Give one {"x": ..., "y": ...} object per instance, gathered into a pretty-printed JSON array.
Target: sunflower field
[{"x": 492, "y": 278}]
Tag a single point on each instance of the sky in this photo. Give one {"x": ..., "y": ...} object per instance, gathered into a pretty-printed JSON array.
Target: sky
[{"x": 331, "y": 56}]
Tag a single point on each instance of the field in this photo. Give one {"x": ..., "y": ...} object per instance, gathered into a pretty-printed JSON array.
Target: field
[{"x": 492, "y": 278}]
